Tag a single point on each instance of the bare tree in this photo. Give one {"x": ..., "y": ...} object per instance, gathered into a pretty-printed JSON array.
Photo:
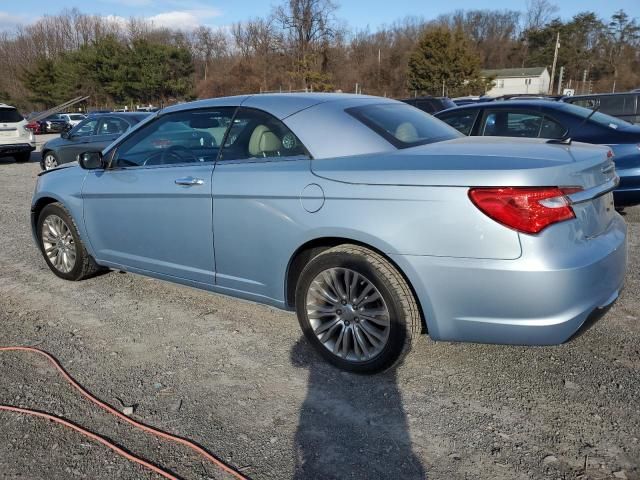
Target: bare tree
[{"x": 538, "y": 14}]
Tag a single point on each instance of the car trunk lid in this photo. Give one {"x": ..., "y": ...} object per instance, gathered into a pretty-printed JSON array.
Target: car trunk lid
[{"x": 492, "y": 162}]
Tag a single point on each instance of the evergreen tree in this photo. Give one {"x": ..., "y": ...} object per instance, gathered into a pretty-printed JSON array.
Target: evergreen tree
[
  {"x": 444, "y": 59},
  {"x": 111, "y": 71},
  {"x": 41, "y": 81}
]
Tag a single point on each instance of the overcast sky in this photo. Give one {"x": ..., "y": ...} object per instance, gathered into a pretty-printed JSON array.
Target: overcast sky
[{"x": 357, "y": 13}]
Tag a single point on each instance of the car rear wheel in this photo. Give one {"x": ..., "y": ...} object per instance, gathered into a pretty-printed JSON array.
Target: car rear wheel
[
  {"x": 356, "y": 309},
  {"x": 61, "y": 246},
  {"x": 49, "y": 161}
]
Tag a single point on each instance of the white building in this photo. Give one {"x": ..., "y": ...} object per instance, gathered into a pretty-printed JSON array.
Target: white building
[{"x": 518, "y": 81}]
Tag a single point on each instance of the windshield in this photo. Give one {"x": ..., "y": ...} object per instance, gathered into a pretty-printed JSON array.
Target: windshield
[
  {"x": 76, "y": 116},
  {"x": 601, "y": 119},
  {"x": 10, "y": 115},
  {"x": 55, "y": 116},
  {"x": 403, "y": 125}
]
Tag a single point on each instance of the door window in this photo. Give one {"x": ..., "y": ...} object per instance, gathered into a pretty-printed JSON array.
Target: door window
[
  {"x": 111, "y": 126},
  {"x": 552, "y": 129},
  {"x": 256, "y": 134},
  {"x": 589, "y": 103},
  {"x": 512, "y": 124},
  {"x": 176, "y": 138},
  {"x": 612, "y": 104},
  {"x": 462, "y": 122},
  {"x": 85, "y": 128}
]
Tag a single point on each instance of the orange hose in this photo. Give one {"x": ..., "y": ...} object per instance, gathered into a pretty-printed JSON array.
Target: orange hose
[
  {"x": 154, "y": 431},
  {"x": 91, "y": 435}
]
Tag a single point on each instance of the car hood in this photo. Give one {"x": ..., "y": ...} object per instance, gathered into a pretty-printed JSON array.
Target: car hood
[
  {"x": 473, "y": 161},
  {"x": 53, "y": 143}
]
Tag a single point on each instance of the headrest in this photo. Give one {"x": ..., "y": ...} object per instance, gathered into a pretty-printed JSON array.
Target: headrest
[
  {"x": 263, "y": 140},
  {"x": 407, "y": 133}
]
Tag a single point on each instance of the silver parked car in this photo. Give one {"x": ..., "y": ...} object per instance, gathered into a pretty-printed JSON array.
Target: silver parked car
[{"x": 371, "y": 219}]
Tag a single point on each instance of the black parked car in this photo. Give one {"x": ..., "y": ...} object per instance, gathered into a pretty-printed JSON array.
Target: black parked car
[
  {"x": 557, "y": 121},
  {"x": 93, "y": 134},
  {"x": 430, "y": 104},
  {"x": 53, "y": 124},
  {"x": 622, "y": 105}
]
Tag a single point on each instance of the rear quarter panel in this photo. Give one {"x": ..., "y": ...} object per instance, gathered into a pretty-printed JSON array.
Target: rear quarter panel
[{"x": 260, "y": 222}]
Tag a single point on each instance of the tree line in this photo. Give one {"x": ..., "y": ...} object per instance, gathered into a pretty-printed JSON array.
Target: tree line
[{"x": 303, "y": 44}]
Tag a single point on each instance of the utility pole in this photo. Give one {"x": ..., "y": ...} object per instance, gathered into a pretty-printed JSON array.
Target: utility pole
[
  {"x": 379, "y": 62},
  {"x": 560, "y": 77},
  {"x": 555, "y": 60},
  {"x": 584, "y": 80}
]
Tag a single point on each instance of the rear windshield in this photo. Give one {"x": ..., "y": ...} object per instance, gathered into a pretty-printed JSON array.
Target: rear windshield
[
  {"x": 10, "y": 115},
  {"x": 599, "y": 118},
  {"x": 403, "y": 125}
]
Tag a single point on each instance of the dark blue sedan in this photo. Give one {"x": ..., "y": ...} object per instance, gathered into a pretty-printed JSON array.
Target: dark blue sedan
[{"x": 557, "y": 120}]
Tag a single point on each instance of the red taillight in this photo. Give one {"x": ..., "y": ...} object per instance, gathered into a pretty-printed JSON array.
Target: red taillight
[{"x": 527, "y": 210}]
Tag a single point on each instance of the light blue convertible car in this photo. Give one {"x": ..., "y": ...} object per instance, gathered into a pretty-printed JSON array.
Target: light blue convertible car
[{"x": 371, "y": 219}]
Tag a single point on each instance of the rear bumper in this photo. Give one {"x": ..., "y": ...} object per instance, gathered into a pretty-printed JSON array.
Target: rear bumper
[
  {"x": 628, "y": 192},
  {"x": 528, "y": 301},
  {"x": 13, "y": 148}
]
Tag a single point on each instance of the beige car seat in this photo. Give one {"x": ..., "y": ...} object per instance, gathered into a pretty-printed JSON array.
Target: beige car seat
[
  {"x": 263, "y": 142},
  {"x": 407, "y": 133}
]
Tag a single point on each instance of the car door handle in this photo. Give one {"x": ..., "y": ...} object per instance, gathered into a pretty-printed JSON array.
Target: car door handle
[{"x": 189, "y": 181}]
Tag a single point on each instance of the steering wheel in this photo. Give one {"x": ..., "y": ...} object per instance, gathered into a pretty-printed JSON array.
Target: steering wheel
[{"x": 175, "y": 151}]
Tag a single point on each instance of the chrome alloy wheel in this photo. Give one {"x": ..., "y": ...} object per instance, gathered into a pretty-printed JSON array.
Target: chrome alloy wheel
[
  {"x": 58, "y": 243},
  {"x": 348, "y": 314},
  {"x": 50, "y": 161}
]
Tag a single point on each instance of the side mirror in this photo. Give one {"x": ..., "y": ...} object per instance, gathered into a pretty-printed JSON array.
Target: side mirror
[{"x": 91, "y": 160}]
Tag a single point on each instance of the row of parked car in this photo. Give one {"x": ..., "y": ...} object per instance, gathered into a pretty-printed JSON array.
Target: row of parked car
[
  {"x": 55, "y": 123},
  {"x": 78, "y": 133},
  {"x": 625, "y": 106},
  {"x": 559, "y": 121},
  {"x": 579, "y": 118}
]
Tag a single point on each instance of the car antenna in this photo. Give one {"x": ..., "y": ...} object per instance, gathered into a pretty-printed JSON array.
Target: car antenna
[{"x": 566, "y": 140}]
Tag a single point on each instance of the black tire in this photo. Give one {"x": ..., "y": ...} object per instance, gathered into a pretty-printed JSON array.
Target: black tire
[
  {"x": 84, "y": 265},
  {"x": 22, "y": 157},
  {"x": 404, "y": 315},
  {"x": 54, "y": 160}
]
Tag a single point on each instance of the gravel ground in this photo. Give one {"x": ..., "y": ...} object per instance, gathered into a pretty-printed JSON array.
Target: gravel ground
[{"x": 237, "y": 378}]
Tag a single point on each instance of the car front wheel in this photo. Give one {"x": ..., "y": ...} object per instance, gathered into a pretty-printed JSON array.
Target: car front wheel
[
  {"x": 356, "y": 309},
  {"x": 49, "y": 161},
  {"x": 61, "y": 246}
]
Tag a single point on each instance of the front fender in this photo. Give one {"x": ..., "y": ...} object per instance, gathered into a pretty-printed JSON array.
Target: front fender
[{"x": 63, "y": 186}]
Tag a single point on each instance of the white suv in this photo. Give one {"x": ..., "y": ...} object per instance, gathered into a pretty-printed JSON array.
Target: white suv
[
  {"x": 73, "y": 118},
  {"x": 15, "y": 138}
]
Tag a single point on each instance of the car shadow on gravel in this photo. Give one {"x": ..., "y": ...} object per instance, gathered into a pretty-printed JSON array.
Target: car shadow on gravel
[
  {"x": 351, "y": 426},
  {"x": 34, "y": 158}
]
